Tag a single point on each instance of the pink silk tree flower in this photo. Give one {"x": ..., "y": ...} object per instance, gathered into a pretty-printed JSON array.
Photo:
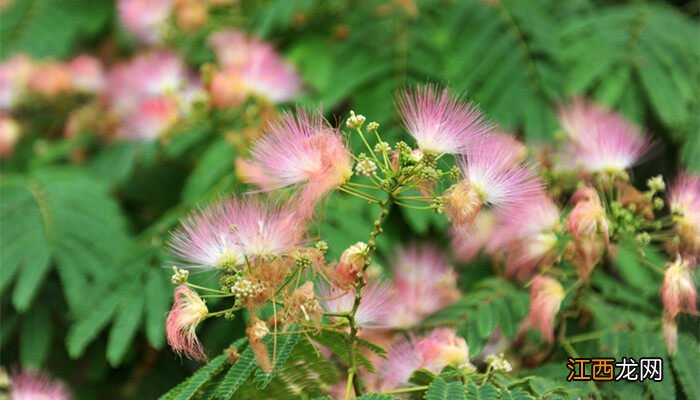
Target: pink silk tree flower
[
  {"x": 546, "y": 295},
  {"x": 424, "y": 281},
  {"x": 601, "y": 140},
  {"x": 50, "y": 79},
  {"x": 441, "y": 348},
  {"x": 151, "y": 119},
  {"x": 678, "y": 291},
  {"x": 440, "y": 122},
  {"x": 528, "y": 239},
  {"x": 34, "y": 385},
  {"x": 145, "y": 19},
  {"x": 588, "y": 218},
  {"x": 250, "y": 67},
  {"x": 684, "y": 201},
  {"x": 377, "y": 304},
  {"x": 493, "y": 178},
  {"x": 188, "y": 311},
  {"x": 303, "y": 152},
  {"x": 14, "y": 76},
  {"x": 87, "y": 74},
  {"x": 224, "y": 234}
]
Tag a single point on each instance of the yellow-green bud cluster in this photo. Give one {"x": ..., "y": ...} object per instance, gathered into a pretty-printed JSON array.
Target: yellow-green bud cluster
[
  {"x": 179, "y": 276},
  {"x": 355, "y": 121},
  {"x": 245, "y": 288},
  {"x": 366, "y": 167}
]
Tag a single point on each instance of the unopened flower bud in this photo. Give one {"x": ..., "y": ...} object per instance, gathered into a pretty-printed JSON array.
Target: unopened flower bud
[
  {"x": 656, "y": 184},
  {"x": 366, "y": 167},
  {"x": 381, "y": 146},
  {"x": 658, "y": 203},
  {"x": 373, "y": 126},
  {"x": 499, "y": 363},
  {"x": 179, "y": 276},
  {"x": 351, "y": 262},
  {"x": 322, "y": 246},
  {"x": 355, "y": 121},
  {"x": 246, "y": 289}
]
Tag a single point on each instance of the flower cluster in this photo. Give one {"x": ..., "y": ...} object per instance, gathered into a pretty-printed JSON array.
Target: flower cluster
[{"x": 496, "y": 198}]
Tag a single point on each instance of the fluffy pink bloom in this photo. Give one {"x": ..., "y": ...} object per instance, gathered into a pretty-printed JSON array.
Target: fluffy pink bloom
[
  {"x": 438, "y": 350},
  {"x": 439, "y": 122},
  {"x": 374, "y": 310},
  {"x": 14, "y": 75},
  {"x": 493, "y": 178},
  {"x": 546, "y": 295},
  {"x": 304, "y": 152},
  {"x": 678, "y": 291},
  {"x": 149, "y": 94},
  {"x": 228, "y": 231},
  {"x": 251, "y": 67},
  {"x": 87, "y": 74},
  {"x": 31, "y": 385},
  {"x": 188, "y": 311},
  {"x": 145, "y": 19},
  {"x": 528, "y": 238},
  {"x": 424, "y": 282},
  {"x": 600, "y": 140},
  {"x": 588, "y": 218},
  {"x": 684, "y": 201}
]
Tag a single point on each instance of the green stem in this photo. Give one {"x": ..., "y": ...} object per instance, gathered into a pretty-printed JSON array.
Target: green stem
[
  {"x": 407, "y": 390},
  {"x": 192, "y": 285}
]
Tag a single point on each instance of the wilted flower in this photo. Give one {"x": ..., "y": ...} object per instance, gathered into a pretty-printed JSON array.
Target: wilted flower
[
  {"x": 188, "y": 311},
  {"x": 670, "y": 329},
  {"x": 145, "y": 19},
  {"x": 678, "y": 291},
  {"x": 492, "y": 177},
  {"x": 304, "y": 152},
  {"x": 684, "y": 201},
  {"x": 439, "y": 122},
  {"x": 34, "y": 385},
  {"x": 424, "y": 283},
  {"x": 588, "y": 218},
  {"x": 546, "y": 295},
  {"x": 250, "y": 67},
  {"x": 223, "y": 234},
  {"x": 600, "y": 140},
  {"x": 374, "y": 310},
  {"x": 438, "y": 350},
  {"x": 351, "y": 262}
]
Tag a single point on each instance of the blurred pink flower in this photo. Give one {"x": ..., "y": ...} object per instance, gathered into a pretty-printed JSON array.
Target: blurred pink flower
[
  {"x": 250, "y": 67},
  {"x": 678, "y": 291},
  {"x": 439, "y": 122},
  {"x": 424, "y": 283},
  {"x": 588, "y": 218},
  {"x": 601, "y": 140},
  {"x": 10, "y": 132},
  {"x": 14, "y": 76},
  {"x": 153, "y": 117},
  {"x": 188, "y": 311},
  {"x": 145, "y": 19},
  {"x": 87, "y": 74},
  {"x": 438, "y": 350},
  {"x": 303, "y": 152},
  {"x": 546, "y": 295},
  {"x": 49, "y": 79},
  {"x": 33, "y": 385},
  {"x": 376, "y": 307},
  {"x": 231, "y": 229},
  {"x": 493, "y": 177},
  {"x": 469, "y": 240},
  {"x": 684, "y": 201}
]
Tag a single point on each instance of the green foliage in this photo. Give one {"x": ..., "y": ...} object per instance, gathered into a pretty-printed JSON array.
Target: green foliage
[
  {"x": 51, "y": 28},
  {"x": 441, "y": 390}
]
